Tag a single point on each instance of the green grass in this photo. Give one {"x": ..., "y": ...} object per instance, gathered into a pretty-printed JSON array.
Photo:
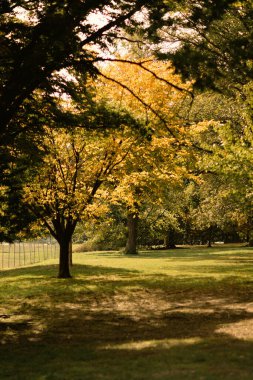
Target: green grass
[{"x": 185, "y": 314}]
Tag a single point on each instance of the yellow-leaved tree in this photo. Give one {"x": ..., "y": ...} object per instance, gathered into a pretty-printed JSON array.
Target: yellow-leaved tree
[
  {"x": 152, "y": 92},
  {"x": 75, "y": 168}
]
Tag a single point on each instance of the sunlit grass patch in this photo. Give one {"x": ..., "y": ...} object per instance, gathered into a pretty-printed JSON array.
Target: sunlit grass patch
[{"x": 153, "y": 344}]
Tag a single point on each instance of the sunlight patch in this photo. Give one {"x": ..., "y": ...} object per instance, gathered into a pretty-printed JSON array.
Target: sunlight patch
[
  {"x": 239, "y": 330},
  {"x": 158, "y": 343}
]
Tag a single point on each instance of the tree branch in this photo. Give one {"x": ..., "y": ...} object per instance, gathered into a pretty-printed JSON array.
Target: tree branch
[
  {"x": 146, "y": 105},
  {"x": 112, "y": 24},
  {"x": 140, "y": 64}
]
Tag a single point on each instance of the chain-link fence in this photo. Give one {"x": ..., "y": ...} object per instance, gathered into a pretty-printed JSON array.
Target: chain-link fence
[{"x": 20, "y": 254}]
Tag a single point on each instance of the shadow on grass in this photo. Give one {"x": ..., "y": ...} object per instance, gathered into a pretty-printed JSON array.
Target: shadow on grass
[
  {"x": 117, "y": 324},
  {"x": 51, "y": 271},
  {"x": 42, "y": 280},
  {"x": 91, "y": 344}
]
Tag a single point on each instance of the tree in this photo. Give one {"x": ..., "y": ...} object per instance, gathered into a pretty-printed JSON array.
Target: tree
[
  {"x": 225, "y": 167},
  {"x": 64, "y": 191},
  {"x": 161, "y": 219},
  {"x": 150, "y": 90},
  {"x": 67, "y": 162}
]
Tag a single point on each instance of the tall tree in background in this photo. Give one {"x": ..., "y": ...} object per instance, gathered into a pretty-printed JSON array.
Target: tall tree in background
[{"x": 149, "y": 90}]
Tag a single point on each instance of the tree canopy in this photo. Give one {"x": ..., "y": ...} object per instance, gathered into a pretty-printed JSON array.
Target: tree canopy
[
  {"x": 210, "y": 42},
  {"x": 41, "y": 39}
]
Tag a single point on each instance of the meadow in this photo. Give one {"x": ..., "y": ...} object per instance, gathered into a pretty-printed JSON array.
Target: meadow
[{"x": 180, "y": 314}]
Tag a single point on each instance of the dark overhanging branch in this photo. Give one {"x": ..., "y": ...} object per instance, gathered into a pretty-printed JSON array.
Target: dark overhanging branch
[
  {"x": 99, "y": 33},
  {"x": 13, "y": 99},
  {"x": 141, "y": 64},
  {"x": 38, "y": 215},
  {"x": 130, "y": 40},
  {"x": 146, "y": 105},
  {"x": 201, "y": 149},
  {"x": 112, "y": 165},
  {"x": 99, "y": 180}
]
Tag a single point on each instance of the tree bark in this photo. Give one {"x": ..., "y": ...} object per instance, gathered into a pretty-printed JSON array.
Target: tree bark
[
  {"x": 64, "y": 271},
  {"x": 169, "y": 240},
  {"x": 132, "y": 224},
  {"x": 70, "y": 253},
  {"x": 210, "y": 237}
]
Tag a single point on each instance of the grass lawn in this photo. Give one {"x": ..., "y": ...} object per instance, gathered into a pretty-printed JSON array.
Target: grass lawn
[{"x": 164, "y": 315}]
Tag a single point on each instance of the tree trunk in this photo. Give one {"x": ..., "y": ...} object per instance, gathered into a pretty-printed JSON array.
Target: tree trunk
[
  {"x": 64, "y": 271},
  {"x": 132, "y": 224},
  {"x": 249, "y": 237},
  {"x": 169, "y": 240},
  {"x": 70, "y": 253},
  {"x": 210, "y": 237}
]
